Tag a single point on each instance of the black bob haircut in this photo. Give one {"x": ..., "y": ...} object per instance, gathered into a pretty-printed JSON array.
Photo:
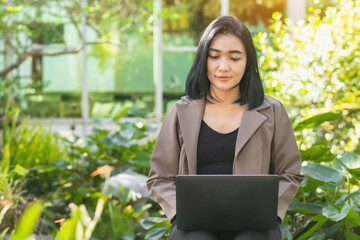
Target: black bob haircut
[{"x": 197, "y": 82}]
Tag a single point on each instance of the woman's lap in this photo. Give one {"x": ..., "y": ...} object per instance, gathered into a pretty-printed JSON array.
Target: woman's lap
[{"x": 176, "y": 234}]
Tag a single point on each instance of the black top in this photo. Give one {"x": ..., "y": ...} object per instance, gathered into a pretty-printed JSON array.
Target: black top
[{"x": 215, "y": 151}]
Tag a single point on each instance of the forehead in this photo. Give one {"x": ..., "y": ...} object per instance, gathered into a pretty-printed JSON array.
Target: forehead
[{"x": 227, "y": 43}]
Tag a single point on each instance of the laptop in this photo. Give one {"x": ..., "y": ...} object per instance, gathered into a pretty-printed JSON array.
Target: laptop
[{"x": 226, "y": 202}]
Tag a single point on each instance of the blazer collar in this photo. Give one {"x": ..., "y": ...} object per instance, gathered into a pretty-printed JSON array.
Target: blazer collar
[
  {"x": 251, "y": 121},
  {"x": 190, "y": 113}
]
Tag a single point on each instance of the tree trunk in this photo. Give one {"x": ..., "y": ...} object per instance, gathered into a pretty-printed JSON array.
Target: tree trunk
[
  {"x": 36, "y": 66},
  {"x": 36, "y": 72}
]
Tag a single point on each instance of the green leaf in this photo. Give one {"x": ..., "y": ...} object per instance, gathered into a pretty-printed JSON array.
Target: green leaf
[
  {"x": 288, "y": 235},
  {"x": 127, "y": 195},
  {"x": 320, "y": 236},
  {"x": 355, "y": 172},
  {"x": 318, "y": 152},
  {"x": 165, "y": 223},
  {"x": 315, "y": 120},
  {"x": 156, "y": 233},
  {"x": 4, "y": 209},
  {"x": 158, "y": 227},
  {"x": 3, "y": 233},
  {"x": 97, "y": 215},
  {"x": 355, "y": 197},
  {"x": 140, "y": 210},
  {"x": 84, "y": 217},
  {"x": 350, "y": 235},
  {"x": 330, "y": 229},
  {"x": 346, "y": 106},
  {"x": 353, "y": 217},
  {"x": 44, "y": 168},
  {"x": 142, "y": 157},
  {"x": 151, "y": 221},
  {"x": 322, "y": 173},
  {"x": 350, "y": 159},
  {"x": 309, "y": 208},
  {"x": 118, "y": 113},
  {"x": 28, "y": 221},
  {"x": 314, "y": 224},
  {"x": 5, "y": 162},
  {"x": 351, "y": 163},
  {"x": 70, "y": 229},
  {"x": 137, "y": 112},
  {"x": 310, "y": 184},
  {"x": 333, "y": 213},
  {"x": 284, "y": 227},
  {"x": 20, "y": 170},
  {"x": 285, "y": 230}
]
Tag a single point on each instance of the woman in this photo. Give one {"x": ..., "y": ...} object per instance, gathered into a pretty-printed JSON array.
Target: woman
[{"x": 225, "y": 125}]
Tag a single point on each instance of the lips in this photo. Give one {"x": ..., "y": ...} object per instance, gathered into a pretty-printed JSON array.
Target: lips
[{"x": 223, "y": 78}]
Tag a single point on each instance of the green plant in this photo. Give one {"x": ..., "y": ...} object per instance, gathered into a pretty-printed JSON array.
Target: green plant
[
  {"x": 12, "y": 177},
  {"x": 25, "y": 151},
  {"x": 121, "y": 217},
  {"x": 28, "y": 221},
  {"x": 4, "y": 209},
  {"x": 327, "y": 204},
  {"x": 313, "y": 65},
  {"x": 128, "y": 147},
  {"x": 80, "y": 226},
  {"x": 157, "y": 228}
]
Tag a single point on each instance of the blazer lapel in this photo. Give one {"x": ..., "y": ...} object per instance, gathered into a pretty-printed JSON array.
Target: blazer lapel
[
  {"x": 250, "y": 122},
  {"x": 190, "y": 115}
]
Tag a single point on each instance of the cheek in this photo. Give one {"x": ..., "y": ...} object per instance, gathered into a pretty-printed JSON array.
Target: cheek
[
  {"x": 241, "y": 69},
  {"x": 209, "y": 66},
  {"x": 210, "y": 71}
]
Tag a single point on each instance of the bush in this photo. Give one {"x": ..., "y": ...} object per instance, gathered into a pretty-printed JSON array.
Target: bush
[{"x": 313, "y": 67}]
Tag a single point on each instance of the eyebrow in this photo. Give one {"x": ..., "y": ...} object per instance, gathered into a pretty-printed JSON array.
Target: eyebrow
[{"x": 231, "y": 51}]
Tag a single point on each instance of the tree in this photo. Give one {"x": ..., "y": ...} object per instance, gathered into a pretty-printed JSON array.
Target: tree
[
  {"x": 29, "y": 26},
  {"x": 197, "y": 14}
]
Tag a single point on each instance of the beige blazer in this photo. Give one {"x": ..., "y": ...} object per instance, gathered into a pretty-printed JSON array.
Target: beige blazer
[{"x": 265, "y": 144}]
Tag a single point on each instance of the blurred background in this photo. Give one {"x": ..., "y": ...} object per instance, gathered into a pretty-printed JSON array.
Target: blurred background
[
  {"x": 43, "y": 45},
  {"x": 84, "y": 85}
]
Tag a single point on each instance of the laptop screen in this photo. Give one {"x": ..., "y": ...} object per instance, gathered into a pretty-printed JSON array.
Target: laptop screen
[{"x": 226, "y": 202}]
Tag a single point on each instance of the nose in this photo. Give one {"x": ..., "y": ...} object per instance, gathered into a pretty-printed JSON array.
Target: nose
[{"x": 223, "y": 65}]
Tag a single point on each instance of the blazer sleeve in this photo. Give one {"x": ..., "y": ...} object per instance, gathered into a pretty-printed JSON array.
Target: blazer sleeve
[
  {"x": 164, "y": 164},
  {"x": 286, "y": 160}
]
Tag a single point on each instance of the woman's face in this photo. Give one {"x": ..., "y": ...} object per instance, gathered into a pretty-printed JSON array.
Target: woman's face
[{"x": 226, "y": 63}]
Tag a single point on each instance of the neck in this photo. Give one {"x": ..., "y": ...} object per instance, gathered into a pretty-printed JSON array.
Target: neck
[{"x": 225, "y": 97}]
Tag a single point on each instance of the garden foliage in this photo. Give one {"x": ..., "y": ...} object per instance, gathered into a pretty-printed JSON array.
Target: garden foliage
[
  {"x": 312, "y": 67},
  {"x": 67, "y": 173}
]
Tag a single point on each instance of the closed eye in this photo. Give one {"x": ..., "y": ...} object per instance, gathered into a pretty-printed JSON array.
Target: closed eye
[{"x": 210, "y": 56}]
